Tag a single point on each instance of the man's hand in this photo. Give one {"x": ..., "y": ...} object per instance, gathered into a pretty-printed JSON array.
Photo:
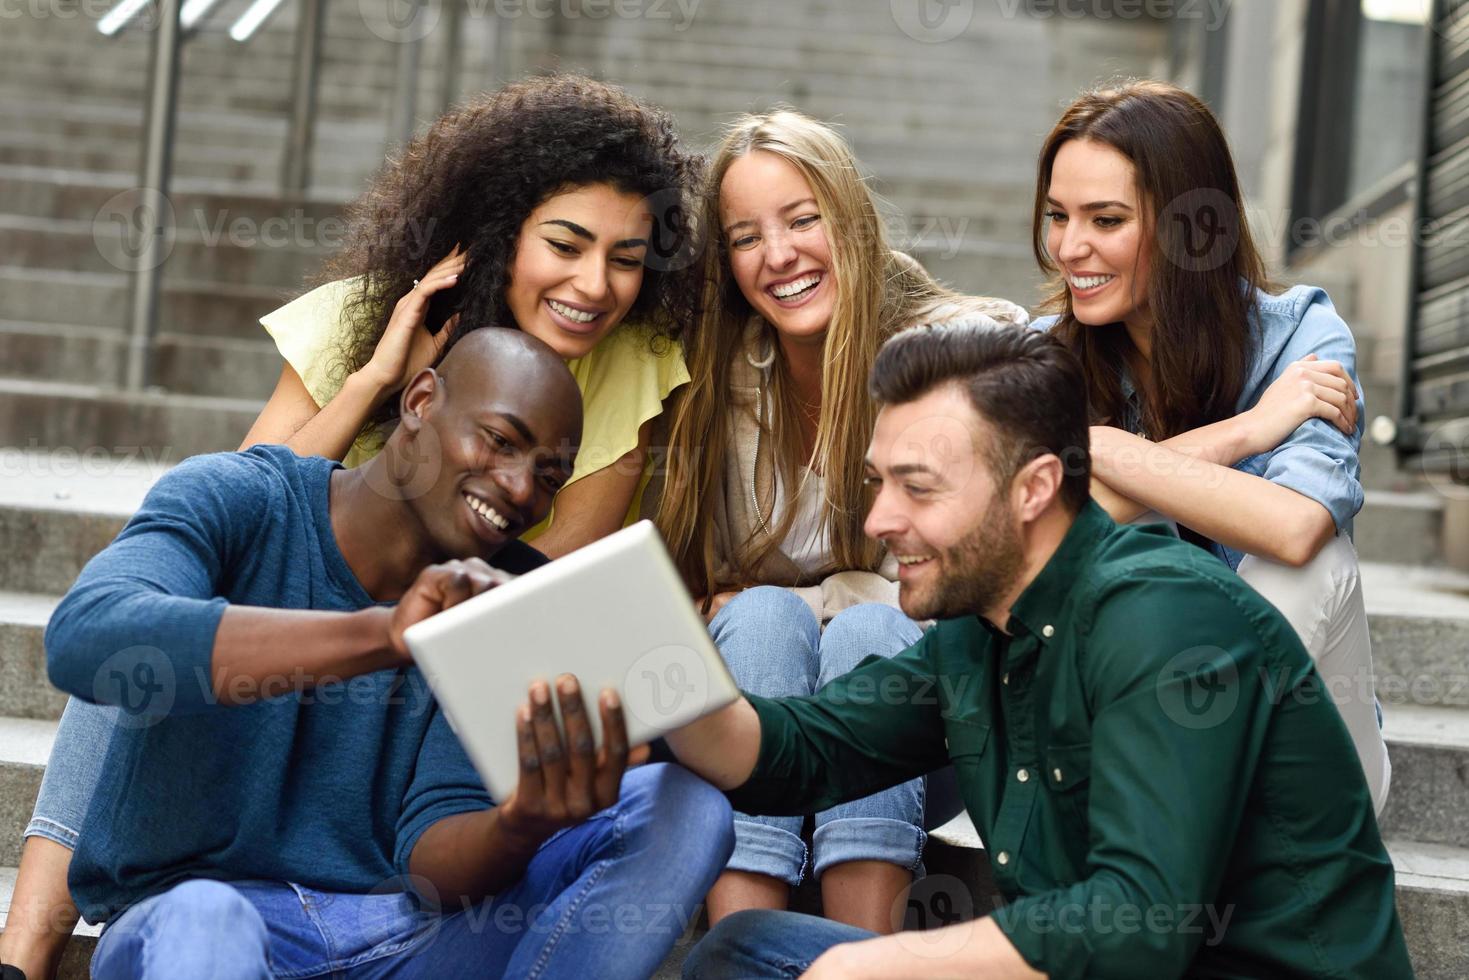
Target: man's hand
[
  {"x": 562, "y": 783},
  {"x": 437, "y": 588}
]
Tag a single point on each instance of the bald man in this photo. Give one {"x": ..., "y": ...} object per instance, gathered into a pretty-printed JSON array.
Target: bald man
[{"x": 283, "y": 796}]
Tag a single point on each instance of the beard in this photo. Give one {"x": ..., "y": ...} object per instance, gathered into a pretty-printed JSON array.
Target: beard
[{"x": 972, "y": 575}]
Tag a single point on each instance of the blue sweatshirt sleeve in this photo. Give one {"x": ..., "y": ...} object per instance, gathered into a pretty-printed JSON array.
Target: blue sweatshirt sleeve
[
  {"x": 444, "y": 784},
  {"x": 137, "y": 629}
]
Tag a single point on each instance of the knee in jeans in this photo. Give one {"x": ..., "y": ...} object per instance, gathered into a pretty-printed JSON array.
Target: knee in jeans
[
  {"x": 717, "y": 954},
  {"x": 211, "y": 909},
  {"x": 695, "y": 812},
  {"x": 871, "y": 619},
  {"x": 771, "y": 606}
]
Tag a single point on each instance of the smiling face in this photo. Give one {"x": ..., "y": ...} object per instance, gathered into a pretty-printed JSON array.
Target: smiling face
[
  {"x": 779, "y": 253},
  {"x": 500, "y": 420},
  {"x": 938, "y": 507},
  {"x": 578, "y": 266},
  {"x": 1097, "y": 234}
]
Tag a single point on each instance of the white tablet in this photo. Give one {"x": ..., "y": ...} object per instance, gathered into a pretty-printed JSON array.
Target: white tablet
[{"x": 615, "y": 614}]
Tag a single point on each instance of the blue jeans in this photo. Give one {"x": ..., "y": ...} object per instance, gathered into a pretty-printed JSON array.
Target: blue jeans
[
  {"x": 607, "y": 898},
  {"x": 759, "y": 943},
  {"x": 77, "y": 757},
  {"x": 775, "y": 648}
]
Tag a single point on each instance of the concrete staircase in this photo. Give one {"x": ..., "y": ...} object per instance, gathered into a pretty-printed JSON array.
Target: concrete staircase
[{"x": 949, "y": 131}]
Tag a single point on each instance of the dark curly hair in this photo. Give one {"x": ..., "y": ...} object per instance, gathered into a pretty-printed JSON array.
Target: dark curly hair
[{"x": 478, "y": 173}]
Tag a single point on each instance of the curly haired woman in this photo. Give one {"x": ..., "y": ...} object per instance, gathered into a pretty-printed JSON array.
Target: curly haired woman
[{"x": 540, "y": 203}]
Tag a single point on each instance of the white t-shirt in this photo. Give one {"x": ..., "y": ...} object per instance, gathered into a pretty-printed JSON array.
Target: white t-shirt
[{"x": 808, "y": 544}]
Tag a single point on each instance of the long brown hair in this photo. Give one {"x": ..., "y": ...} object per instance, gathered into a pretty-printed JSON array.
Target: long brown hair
[
  {"x": 878, "y": 291},
  {"x": 1199, "y": 299}
]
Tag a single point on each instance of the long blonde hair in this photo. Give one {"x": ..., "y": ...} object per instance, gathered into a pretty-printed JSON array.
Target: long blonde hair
[{"x": 878, "y": 292}]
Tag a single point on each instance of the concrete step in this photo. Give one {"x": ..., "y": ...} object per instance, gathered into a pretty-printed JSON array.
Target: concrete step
[
  {"x": 186, "y": 306},
  {"x": 1433, "y": 903},
  {"x": 25, "y": 745},
  {"x": 96, "y": 422},
  {"x": 1419, "y": 619},
  {"x": 1401, "y": 528},
  {"x": 1429, "y": 797},
  {"x": 280, "y": 254},
  {"x": 183, "y": 363},
  {"x": 24, "y": 690}
]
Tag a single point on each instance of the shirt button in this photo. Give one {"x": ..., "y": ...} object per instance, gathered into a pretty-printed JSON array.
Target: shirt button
[
  {"x": 1005, "y": 679},
  {"x": 1057, "y": 774},
  {"x": 1048, "y": 631},
  {"x": 1003, "y": 857},
  {"x": 1023, "y": 775}
]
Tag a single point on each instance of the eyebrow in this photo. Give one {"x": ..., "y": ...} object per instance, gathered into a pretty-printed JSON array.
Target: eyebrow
[
  {"x": 789, "y": 207},
  {"x": 905, "y": 469},
  {"x": 1094, "y": 206},
  {"x": 581, "y": 232},
  {"x": 518, "y": 424}
]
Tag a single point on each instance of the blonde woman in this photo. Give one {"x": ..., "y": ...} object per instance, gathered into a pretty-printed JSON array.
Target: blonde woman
[{"x": 766, "y": 487}]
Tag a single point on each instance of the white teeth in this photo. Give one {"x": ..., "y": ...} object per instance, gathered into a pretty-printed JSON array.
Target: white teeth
[
  {"x": 796, "y": 286},
  {"x": 578, "y": 316},
  {"x": 489, "y": 513},
  {"x": 913, "y": 560},
  {"x": 1090, "y": 282}
]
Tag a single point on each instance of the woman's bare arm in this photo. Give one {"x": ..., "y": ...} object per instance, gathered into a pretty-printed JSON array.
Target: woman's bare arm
[{"x": 597, "y": 504}]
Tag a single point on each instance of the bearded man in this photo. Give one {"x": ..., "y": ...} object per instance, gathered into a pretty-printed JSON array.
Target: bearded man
[{"x": 1162, "y": 785}]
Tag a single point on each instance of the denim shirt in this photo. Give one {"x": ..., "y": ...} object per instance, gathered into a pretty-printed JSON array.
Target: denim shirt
[{"x": 1316, "y": 460}]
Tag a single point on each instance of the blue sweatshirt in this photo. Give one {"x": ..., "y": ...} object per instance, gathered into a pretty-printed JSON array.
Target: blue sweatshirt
[{"x": 330, "y": 788}]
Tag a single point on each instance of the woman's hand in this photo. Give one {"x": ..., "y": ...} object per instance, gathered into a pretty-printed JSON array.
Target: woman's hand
[
  {"x": 1309, "y": 388},
  {"x": 406, "y": 346}
]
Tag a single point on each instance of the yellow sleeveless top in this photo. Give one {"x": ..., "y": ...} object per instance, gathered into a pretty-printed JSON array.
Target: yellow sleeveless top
[{"x": 623, "y": 382}]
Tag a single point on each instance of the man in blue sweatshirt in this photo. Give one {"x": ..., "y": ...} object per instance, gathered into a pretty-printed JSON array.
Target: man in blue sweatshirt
[{"x": 283, "y": 796}]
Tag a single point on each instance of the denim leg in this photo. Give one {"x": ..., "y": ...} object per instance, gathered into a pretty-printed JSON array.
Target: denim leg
[
  {"x": 758, "y": 943},
  {"x": 769, "y": 639},
  {"x": 886, "y": 826},
  {"x": 72, "y": 772},
  {"x": 196, "y": 929},
  {"x": 608, "y": 898}
]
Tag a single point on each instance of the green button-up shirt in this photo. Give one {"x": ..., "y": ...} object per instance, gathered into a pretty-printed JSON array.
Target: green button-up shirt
[{"x": 1162, "y": 783}]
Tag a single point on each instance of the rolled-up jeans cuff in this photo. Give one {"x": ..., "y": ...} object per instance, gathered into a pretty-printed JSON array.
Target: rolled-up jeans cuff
[
  {"x": 868, "y": 839},
  {"x": 766, "y": 850},
  {"x": 51, "y": 830}
]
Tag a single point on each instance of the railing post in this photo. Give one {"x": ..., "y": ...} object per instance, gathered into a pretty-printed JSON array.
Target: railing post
[
  {"x": 405, "y": 108},
  {"x": 453, "y": 54},
  {"x": 163, "y": 77},
  {"x": 305, "y": 73}
]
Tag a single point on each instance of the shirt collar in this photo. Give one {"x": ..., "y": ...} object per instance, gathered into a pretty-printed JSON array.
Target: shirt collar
[{"x": 1039, "y": 606}]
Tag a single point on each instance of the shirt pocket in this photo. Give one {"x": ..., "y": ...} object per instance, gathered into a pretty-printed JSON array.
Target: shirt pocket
[
  {"x": 966, "y": 740},
  {"x": 1068, "y": 777}
]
